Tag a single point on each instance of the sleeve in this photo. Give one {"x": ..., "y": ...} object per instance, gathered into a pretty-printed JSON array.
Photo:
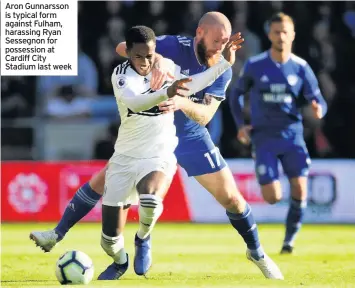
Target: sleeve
[
  {"x": 168, "y": 47},
  {"x": 219, "y": 75},
  {"x": 311, "y": 89},
  {"x": 219, "y": 87},
  {"x": 137, "y": 102},
  {"x": 243, "y": 85}
]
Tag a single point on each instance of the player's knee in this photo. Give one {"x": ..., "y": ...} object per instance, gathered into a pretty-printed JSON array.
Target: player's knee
[
  {"x": 112, "y": 245},
  {"x": 272, "y": 199},
  {"x": 153, "y": 190},
  {"x": 271, "y": 192},
  {"x": 231, "y": 200}
]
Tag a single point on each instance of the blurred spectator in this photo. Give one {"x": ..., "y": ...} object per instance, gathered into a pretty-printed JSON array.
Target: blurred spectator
[
  {"x": 113, "y": 8},
  {"x": 323, "y": 62},
  {"x": 212, "y": 5},
  {"x": 240, "y": 7},
  {"x": 104, "y": 148},
  {"x": 85, "y": 84},
  {"x": 252, "y": 44},
  {"x": 66, "y": 105},
  {"x": 121, "y": 9},
  {"x": 160, "y": 27},
  {"x": 17, "y": 97},
  {"x": 156, "y": 8},
  {"x": 107, "y": 55},
  {"x": 195, "y": 10}
]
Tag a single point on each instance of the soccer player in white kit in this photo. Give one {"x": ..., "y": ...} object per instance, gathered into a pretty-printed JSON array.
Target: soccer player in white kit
[{"x": 143, "y": 164}]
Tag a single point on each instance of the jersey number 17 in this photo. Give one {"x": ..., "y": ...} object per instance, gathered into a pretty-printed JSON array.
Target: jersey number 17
[{"x": 213, "y": 153}]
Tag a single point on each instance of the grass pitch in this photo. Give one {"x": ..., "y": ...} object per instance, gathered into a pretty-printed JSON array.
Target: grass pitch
[{"x": 189, "y": 255}]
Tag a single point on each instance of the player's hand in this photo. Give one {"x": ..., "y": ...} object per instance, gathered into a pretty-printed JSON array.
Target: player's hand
[
  {"x": 244, "y": 134},
  {"x": 178, "y": 88},
  {"x": 233, "y": 45},
  {"x": 317, "y": 110},
  {"x": 160, "y": 73},
  {"x": 171, "y": 105}
]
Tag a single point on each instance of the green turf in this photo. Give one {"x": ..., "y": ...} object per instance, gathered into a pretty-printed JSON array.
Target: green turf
[{"x": 190, "y": 255}]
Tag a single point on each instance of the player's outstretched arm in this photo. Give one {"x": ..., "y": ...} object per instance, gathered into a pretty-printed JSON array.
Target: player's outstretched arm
[
  {"x": 141, "y": 102},
  {"x": 201, "y": 113},
  {"x": 206, "y": 78},
  {"x": 124, "y": 88},
  {"x": 313, "y": 94}
]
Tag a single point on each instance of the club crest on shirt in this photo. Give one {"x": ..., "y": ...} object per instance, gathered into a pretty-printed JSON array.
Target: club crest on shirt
[
  {"x": 292, "y": 79},
  {"x": 121, "y": 82}
]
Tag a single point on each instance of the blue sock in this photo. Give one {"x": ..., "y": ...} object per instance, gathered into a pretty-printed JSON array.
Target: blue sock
[
  {"x": 294, "y": 220},
  {"x": 245, "y": 225},
  {"x": 82, "y": 203}
]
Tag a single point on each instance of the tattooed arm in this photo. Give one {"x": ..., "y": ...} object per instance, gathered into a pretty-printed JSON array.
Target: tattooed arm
[
  {"x": 213, "y": 96},
  {"x": 200, "y": 113}
]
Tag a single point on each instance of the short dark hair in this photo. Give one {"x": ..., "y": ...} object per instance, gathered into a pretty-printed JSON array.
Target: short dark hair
[
  {"x": 280, "y": 17},
  {"x": 139, "y": 34}
]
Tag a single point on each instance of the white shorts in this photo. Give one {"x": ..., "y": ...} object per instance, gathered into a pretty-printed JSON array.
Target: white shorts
[{"x": 124, "y": 173}]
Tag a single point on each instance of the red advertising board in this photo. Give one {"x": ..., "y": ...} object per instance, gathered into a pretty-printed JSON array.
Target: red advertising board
[{"x": 40, "y": 191}]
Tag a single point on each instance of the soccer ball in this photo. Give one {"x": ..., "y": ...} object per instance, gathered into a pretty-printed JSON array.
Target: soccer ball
[{"x": 74, "y": 267}]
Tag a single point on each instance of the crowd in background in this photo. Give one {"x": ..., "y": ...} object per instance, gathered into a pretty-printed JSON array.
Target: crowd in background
[{"x": 325, "y": 37}]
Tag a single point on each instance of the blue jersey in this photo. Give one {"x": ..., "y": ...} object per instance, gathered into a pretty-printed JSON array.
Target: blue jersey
[
  {"x": 181, "y": 50},
  {"x": 277, "y": 92},
  {"x": 196, "y": 152}
]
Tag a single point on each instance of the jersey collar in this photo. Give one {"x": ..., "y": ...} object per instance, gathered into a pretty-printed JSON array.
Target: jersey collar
[{"x": 278, "y": 64}]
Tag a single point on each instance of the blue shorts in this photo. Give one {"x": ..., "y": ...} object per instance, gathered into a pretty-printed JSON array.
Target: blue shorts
[
  {"x": 293, "y": 155},
  {"x": 199, "y": 156}
]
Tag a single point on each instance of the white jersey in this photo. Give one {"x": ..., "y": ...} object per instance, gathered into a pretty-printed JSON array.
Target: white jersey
[{"x": 145, "y": 134}]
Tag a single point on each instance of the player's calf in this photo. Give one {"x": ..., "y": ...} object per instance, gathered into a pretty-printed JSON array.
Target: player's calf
[
  {"x": 152, "y": 188},
  {"x": 80, "y": 205},
  {"x": 112, "y": 241},
  {"x": 298, "y": 205},
  {"x": 246, "y": 226},
  {"x": 150, "y": 209},
  {"x": 222, "y": 186}
]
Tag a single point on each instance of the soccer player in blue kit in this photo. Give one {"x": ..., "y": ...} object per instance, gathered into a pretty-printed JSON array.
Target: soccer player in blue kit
[
  {"x": 278, "y": 83},
  {"x": 196, "y": 152}
]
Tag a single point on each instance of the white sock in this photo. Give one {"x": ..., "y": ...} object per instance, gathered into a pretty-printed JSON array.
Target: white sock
[
  {"x": 114, "y": 247},
  {"x": 150, "y": 209}
]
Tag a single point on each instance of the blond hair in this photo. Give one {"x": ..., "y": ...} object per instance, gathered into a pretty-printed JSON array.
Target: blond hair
[{"x": 280, "y": 17}]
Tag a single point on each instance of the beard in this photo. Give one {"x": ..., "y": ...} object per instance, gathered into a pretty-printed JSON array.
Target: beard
[
  {"x": 279, "y": 47},
  {"x": 202, "y": 52}
]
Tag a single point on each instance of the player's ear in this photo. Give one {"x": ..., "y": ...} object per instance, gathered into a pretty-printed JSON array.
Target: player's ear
[{"x": 199, "y": 31}]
